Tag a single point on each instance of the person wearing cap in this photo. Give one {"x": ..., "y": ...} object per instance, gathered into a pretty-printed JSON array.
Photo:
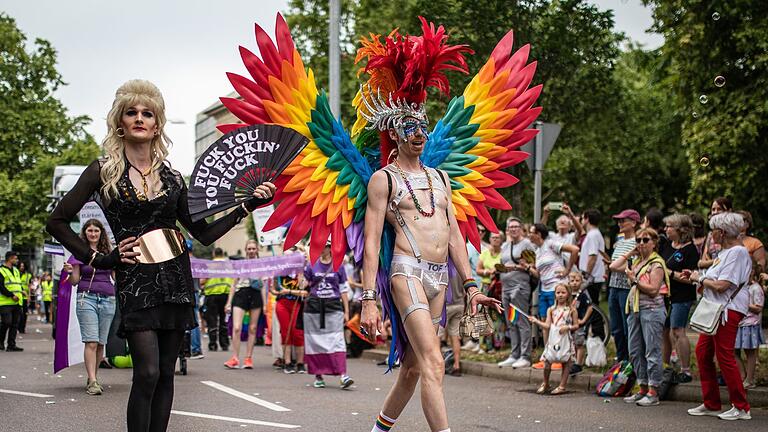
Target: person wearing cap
[
  {"x": 10, "y": 301},
  {"x": 618, "y": 285}
]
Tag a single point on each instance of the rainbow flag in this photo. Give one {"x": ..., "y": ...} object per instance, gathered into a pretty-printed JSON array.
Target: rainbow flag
[{"x": 513, "y": 315}]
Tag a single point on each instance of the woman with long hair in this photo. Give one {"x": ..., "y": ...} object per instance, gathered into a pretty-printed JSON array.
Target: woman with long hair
[
  {"x": 95, "y": 301},
  {"x": 140, "y": 194}
]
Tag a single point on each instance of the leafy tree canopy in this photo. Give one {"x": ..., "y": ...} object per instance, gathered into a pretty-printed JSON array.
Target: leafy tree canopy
[{"x": 36, "y": 133}]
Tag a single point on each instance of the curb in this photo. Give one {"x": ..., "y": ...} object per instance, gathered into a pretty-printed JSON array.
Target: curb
[{"x": 586, "y": 382}]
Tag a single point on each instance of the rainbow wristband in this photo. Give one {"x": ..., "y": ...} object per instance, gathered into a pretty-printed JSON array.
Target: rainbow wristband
[{"x": 469, "y": 283}]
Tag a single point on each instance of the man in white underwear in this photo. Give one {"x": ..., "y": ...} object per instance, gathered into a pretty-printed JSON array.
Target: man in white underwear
[{"x": 416, "y": 201}]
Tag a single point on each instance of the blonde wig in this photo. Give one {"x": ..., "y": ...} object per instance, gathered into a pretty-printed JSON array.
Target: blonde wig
[{"x": 131, "y": 93}]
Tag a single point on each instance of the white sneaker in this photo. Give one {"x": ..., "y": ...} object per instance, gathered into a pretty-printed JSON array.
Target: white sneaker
[
  {"x": 735, "y": 414},
  {"x": 469, "y": 346},
  {"x": 521, "y": 363},
  {"x": 702, "y": 410},
  {"x": 508, "y": 362}
]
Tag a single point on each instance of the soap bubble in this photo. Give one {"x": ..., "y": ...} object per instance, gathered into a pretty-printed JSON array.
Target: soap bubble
[
  {"x": 704, "y": 161},
  {"x": 715, "y": 16},
  {"x": 703, "y": 99},
  {"x": 695, "y": 114},
  {"x": 719, "y": 81}
]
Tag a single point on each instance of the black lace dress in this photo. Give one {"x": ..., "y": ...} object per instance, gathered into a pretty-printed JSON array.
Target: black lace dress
[{"x": 150, "y": 296}]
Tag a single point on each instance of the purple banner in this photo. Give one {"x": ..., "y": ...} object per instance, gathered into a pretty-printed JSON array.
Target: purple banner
[{"x": 249, "y": 268}]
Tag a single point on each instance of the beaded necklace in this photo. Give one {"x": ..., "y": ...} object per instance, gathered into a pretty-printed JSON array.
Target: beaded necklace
[{"x": 413, "y": 194}]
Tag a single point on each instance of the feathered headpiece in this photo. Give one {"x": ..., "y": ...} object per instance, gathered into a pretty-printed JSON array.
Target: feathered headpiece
[{"x": 400, "y": 69}]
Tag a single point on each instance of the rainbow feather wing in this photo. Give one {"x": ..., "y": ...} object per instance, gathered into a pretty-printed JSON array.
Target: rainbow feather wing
[
  {"x": 324, "y": 189},
  {"x": 480, "y": 133}
]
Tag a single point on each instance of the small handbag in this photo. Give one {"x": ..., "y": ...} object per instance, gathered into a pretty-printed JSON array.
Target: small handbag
[
  {"x": 477, "y": 325},
  {"x": 708, "y": 314}
]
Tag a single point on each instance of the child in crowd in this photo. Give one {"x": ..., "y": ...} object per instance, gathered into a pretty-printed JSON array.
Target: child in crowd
[
  {"x": 750, "y": 334},
  {"x": 583, "y": 305},
  {"x": 561, "y": 321}
]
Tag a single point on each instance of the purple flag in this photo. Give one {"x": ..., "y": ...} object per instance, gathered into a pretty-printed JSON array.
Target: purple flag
[{"x": 68, "y": 347}]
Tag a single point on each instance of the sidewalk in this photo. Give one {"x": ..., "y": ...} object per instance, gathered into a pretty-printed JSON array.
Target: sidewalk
[{"x": 690, "y": 392}]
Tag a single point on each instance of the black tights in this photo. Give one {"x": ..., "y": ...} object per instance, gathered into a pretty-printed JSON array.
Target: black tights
[{"x": 154, "y": 354}]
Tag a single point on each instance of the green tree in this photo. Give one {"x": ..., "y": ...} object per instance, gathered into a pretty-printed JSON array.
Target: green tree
[
  {"x": 36, "y": 133},
  {"x": 724, "y": 139},
  {"x": 631, "y": 157}
]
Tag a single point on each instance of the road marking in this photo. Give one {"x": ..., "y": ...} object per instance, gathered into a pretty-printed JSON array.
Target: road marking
[
  {"x": 21, "y": 393},
  {"x": 244, "y": 396},
  {"x": 236, "y": 420}
]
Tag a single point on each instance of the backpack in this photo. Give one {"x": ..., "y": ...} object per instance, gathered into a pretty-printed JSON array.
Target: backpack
[{"x": 618, "y": 381}]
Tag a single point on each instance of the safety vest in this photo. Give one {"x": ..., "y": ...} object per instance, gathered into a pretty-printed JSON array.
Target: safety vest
[
  {"x": 12, "y": 281},
  {"x": 25, "y": 278},
  {"x": 47, "y": 290},
  {"x": 217, "y": 286}
]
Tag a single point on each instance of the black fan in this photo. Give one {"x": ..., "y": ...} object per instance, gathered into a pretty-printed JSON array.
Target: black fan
[{"x": 230, "y": 169}]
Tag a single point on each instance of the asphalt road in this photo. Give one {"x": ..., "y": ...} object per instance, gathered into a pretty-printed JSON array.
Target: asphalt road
[{"x": 290, "y": 402}]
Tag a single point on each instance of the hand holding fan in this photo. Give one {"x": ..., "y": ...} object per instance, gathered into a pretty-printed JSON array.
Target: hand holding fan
[{"x": 231, "y": 169}]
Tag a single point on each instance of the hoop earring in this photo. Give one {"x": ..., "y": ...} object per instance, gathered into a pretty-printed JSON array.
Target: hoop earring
[{"x": 120, "y": 132}]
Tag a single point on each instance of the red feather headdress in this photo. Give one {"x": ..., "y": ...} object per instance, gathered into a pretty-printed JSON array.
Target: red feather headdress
[{"x": 401, "y": 69}]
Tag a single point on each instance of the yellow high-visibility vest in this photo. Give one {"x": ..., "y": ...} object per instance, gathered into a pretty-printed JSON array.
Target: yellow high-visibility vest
[
  {"x": 47, "y": 290},
  {"x": 12, "y": 281}
]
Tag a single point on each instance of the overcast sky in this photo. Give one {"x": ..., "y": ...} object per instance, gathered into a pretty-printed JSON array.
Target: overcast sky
[{"x": 183, "y": 46}]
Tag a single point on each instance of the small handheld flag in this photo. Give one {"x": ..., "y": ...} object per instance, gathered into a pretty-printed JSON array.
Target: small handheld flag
[{"x": 514, "y": 314}]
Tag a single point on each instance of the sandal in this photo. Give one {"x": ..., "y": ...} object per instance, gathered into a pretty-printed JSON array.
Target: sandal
[
  {"x": 543, "y": 388},
  {"x": 558, "y": 391}
]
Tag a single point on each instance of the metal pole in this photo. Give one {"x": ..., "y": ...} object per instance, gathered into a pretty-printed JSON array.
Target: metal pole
[
  {"x": 334, "y": 56},
  {"x": 538, "y": 166}
]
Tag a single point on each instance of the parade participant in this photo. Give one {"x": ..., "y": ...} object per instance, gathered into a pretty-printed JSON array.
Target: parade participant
[
  {"x": 349, "y": 187},
  {"x": 47, "y": 297},
  {"x": 139, "y": 194},
  {"x": 246, "y": 295},
  {"x": 216, "y": 292},
  {"x": 26, "y": 278},
  {"x": 325, "y": 313},
  {"x": 418, "y": 284},
  {"x": 290, "y": 296},
  {"x": 10, "y": 302},
  {"x": 95, "y": 301}
]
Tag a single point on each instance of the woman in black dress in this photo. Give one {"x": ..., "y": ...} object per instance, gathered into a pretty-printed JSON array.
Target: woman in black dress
[{"x": 139, "y": 193}]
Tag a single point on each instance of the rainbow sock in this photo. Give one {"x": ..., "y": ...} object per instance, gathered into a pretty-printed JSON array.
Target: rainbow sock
[{"x": 383, "y": 423}]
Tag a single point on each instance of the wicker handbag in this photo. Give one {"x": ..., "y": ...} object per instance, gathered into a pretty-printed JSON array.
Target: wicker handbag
[{"x": 477, "y": 325}]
